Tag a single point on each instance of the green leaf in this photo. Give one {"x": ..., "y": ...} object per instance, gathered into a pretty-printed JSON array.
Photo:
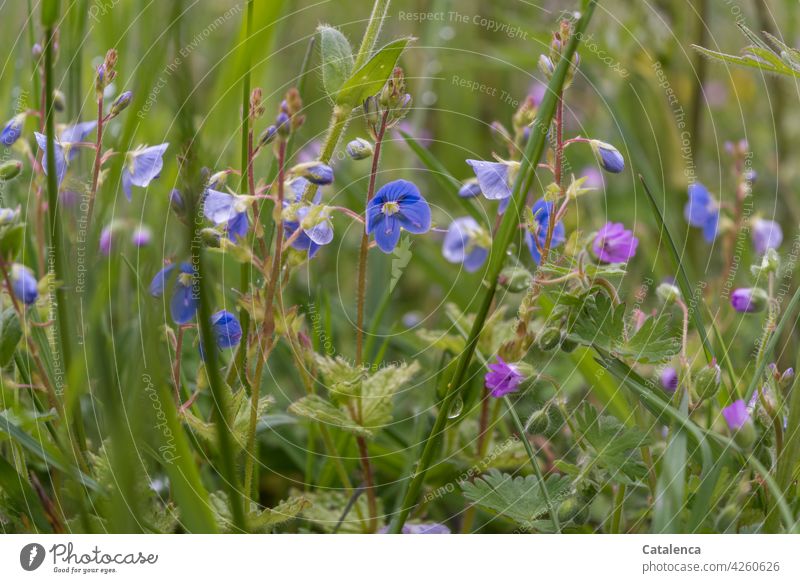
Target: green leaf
[
  {"x": 378, "y": 392},
  {"x": 671, "y": 484},
  {"x": 603, "y": 325},
  {"x": 318, "y": 409},
  {"x": 337, "y": 58},
  {"x": 22, "y": 497},
  {"x": 370, "y": 78},
  {"x": 283, "y": 512},
  {"x": 11, "y": 240},
  {"x": 38, "y": 449},
  {"x": 10, "y": 335},
  {"x": 611, "y": 445},
  {"x": 519, "y": 499},
  {"x": 328, "y": 508}
]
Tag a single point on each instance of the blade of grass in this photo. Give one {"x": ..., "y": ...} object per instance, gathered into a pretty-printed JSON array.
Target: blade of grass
[{"x": 508, "y": 228}]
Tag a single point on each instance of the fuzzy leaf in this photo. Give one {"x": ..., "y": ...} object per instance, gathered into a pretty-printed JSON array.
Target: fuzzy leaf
[
  {"x": 337, "y": 58},
  {"x": 370, "y": 78},
  {"x": 612, "y": 446},
  {"x": 342, "y": 379},
  {"x": 318, "y": 409},
  {"x": 378, "y": 391},
  {"x": 286, "y": 510},
  {"x": 603, "y": 325},
  {"x": 520, "y": 499}
]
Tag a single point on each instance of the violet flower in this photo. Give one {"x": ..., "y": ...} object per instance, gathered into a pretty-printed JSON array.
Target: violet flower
[
  {"x": 766, "y": 235},
  {"x": 614, "y": 244},
  {"x": 502, "y": 378},
  {"x": 736, "y": 415}
]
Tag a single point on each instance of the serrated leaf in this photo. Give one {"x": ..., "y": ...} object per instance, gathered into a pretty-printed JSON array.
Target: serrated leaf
[
  {"x": 370, "y": 78},
  {"x": 612, "y": 446},
  {"x": 328, "y": 506},
  {"x": 519, "y": 499},
  {"x": 337, "y": 58},
  {"x": 378, "y": 391},
  {"x": 342, "y": 379},
  {"x": 603, "y": 325},
  {"x": 318, "y": 409},
  {"x": 286, "y": 510}
]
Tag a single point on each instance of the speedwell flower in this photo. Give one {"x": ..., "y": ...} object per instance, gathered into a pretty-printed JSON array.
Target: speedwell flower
[
  {"x": 541, "y": 216},
  {"x": 312, "y": 218},
  {"x": 60, "y": 156},
  {"x": 702, "y": 211},
  {"x": 223, "y": 208},
  {"x": 12, "y": 130},
  {"x": 614, "y": 244},
  {"x": 226, "y": 328},
  {"x": 76, "y": 133},
  {"x": 183, "y": 303},
  {"x": 494, "y": 178},
  {"x": 397, "y": 205},
  {"x": 24, "y": 284},
  {"x": 466, "y": 242},
  {"x": 766, "y": 235},
  {"x": 142, "y": 166}
]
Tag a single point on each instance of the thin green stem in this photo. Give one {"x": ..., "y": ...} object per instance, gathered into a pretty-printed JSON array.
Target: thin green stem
[
  {"x": 508, "y": 228},
  {"x": 619, "y": 501},
  {"x": 379, "y": 10},
  {"x": 56, "y": 257}
]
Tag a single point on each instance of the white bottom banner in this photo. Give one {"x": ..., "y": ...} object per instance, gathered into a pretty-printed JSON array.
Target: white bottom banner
[{"x": 401, "y": 558}]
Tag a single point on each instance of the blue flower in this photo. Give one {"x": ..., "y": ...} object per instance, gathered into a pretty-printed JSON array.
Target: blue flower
[
  {"x": 608, "y": 156},
  {"x": 226, "y": 328},
  {"x": 541, "y": 216},
  {"x": 466, "y": 242},
  {"x": 223, "y": 208},
  {"x": 183, "y": 303},
  {"x": 24, "y": 284},
  {"x": 312, "y": 218},
  {"x": 142, "y": 166},
  {"x": 315, "y": 172},
  {"x": 397, "y": 205},
  {"x": 76, "y": 133},
  {"x": 766, "y": 235},
  {"x": 702, "y": 211},
  {"x": 13, "y": 130},
  {"x": 60, "y": 156},
  {"x": 493, "y": 177},
  {"x": 469, "y": 189}
]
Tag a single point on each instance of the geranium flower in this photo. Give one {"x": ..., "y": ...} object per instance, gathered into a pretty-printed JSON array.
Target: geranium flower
[
  {"x": 614, "y": 244},
  {"x": 502, "y": 378}
]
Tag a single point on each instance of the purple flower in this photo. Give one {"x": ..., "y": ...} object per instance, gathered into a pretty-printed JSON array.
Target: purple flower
[
  {"x": 466, "y": 242},
  {"x": 614, "y": 244},
  {"x": 749, "y": 300},
  {"x": 184, "y": 301},
  {"x": 315, "y": 172},
  {"x": 493, "y": 178},
  {"x": 669, "y": 379},
  {"x": 106, "y": 238},
  {"x": 608, "y": 156},
  {"x": 594, "y": 178},
  {"x": 24, "y": 284},
  {"x": 397, "y": 205},
  {"x": 541, "y": 216},
  {"x": 766, "y": 235},
  {"x": 736, "y": 415},
  {"x": 422, "y": 528},
  {"x": 502, "y": 378},
  {"x": 142, "y": 166},
  {"x": 141, "y": 236},
  {"x": 702, "y": 211},
  {"x": 12, "y": 130}
]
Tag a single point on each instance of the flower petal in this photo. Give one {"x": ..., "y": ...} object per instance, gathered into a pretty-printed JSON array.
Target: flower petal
[
  {"x": 147, "y": 164},
  {"x": 219, "y": 207},
  {"x": 492, "y": 177},
  {"x": 388, "y": 234}
]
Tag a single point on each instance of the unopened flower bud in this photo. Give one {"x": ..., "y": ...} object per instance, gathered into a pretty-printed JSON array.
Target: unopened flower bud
[
  {"x": 268, "y": 135},
  {"x": 283, "y": 124},
  {"x": 121, "y": 102},
  {"x": 59, "y": 101},
  {"x": 546, "y": 66},
  {"x": 10, "y": 169},
  {"x": 707, "y": 381},
  {"x": 668, "y": 293},
  {"x": 749, "y": 300},
  {"x": 787, "y": 378},
  {"x": 608, "y": 156},
  {"x": 549, "y": 339},
  {"x": 315, "y": 172},
  {"x": 359, "y": 149},
  {"x": 470, "y": 188},
  {"x": 12, "y": 130},
  {"x": 515, "y": 279},
  {"x": 8, "y": 216},
  {"x": 372, "y": 111}
]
